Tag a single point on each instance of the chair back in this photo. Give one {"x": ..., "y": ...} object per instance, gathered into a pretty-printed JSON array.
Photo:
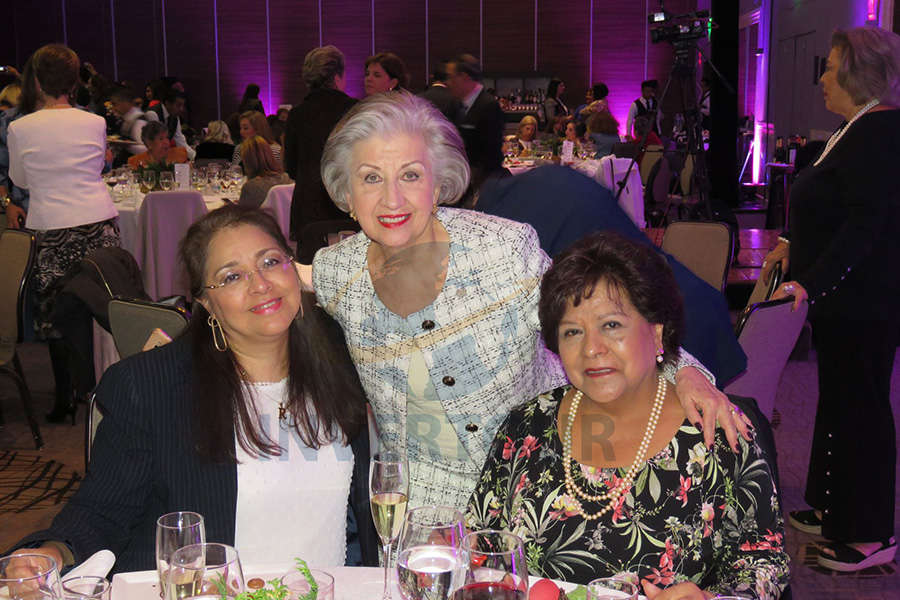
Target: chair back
[
  {"x": 767, "y": 332},
  {"x": 703, "y": 247},
  {"x": 165, "y": 218},
  {"x": 612, "y": 171},
  {"x": 132, "y": 322},
  {"x": 762, "y": 291},
  {"x": 320, "y": 234},
  {"x": 652, "y": 155},
  {"x": 16, "y": 259},
  {"x": 278, "y": 204}
]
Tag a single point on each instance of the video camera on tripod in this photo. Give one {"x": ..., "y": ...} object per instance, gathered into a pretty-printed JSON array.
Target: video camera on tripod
[{"x": 682, "y": 31}]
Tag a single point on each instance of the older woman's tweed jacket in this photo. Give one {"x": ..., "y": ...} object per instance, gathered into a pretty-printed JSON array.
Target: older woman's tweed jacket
[{"x": 480, "y": 339}]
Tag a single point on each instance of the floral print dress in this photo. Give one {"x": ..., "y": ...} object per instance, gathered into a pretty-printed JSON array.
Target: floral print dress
[{"x": 706, "y": 516}]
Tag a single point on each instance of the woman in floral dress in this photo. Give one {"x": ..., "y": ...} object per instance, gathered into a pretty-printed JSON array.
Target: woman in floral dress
[{"x": 606, "y": 476}]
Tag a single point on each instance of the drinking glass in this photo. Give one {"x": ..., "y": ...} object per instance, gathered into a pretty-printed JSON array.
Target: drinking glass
[
  {"x": 198, "y": 179},
  {"x": 298, "y": 585},
  {"x": 148, "y": 181},
  {"x": 166, "y": 180},
  {"x": 29, "y": 577},
  {"x": 205, "y": 571},
  {"x": 388, "y": 493},
  {"x": 236, "y": 174},
  {"x": 173, "y": 531},
  {"x": 493, "y": 567},
  {"x": 428, "y": 552},
  {"x": 611, "y": 588},
  {"x": 86, "y": 588}
]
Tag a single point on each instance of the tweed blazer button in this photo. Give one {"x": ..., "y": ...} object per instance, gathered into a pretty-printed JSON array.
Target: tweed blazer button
[
  {"x": 427, "y": 324},
  {"x": 471, "y": 427},
  {"x": 448, "y": 381}
]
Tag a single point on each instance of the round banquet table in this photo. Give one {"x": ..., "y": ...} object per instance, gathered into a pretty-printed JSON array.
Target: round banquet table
[{"x": 350, "y": 583}]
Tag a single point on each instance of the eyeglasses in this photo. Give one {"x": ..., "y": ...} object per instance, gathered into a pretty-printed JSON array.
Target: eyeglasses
[{"x": 272, "y": 264}]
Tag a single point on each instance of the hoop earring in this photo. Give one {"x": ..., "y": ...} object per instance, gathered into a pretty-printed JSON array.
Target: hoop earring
[{"x": 214, "y": 325}]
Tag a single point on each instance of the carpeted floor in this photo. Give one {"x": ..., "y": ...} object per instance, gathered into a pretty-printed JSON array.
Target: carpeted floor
[{"x": 63, "y": 457}]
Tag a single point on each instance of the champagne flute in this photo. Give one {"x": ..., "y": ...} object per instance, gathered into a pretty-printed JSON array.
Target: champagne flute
[
  {"x": 208, "y": 571},
  {"x": 173, "y": 531},
  {"x": 166, "y": 180},
  {"x": 198, "y": 179},
  {"x": 388, "y": 493},
  {"x": 29, "y": 577},
  {"x": 149, "y": 180},
  {"x": 428, "y": 552},
  {"x": 493, "y": 567}
]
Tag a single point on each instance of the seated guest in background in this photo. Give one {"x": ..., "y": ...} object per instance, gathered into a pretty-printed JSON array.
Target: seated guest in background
[
  {"x": 283, "y": 113},
  {"x": 9, "y": 95},
  {"x": 133, "y": 119},
  {"x": 250, "y": 100},
  {"x": 159, "y": 151},
  {"x": 439, "y": 94},
  {"x": 308, "y": 127},
  {"x": 526, "y": 134},
  {"x": 645, "y": 499},
  {"x": 261, "y": 169},
  {"x": 170, "y": 112},
  {"x": 217, "y": 143},
  {"x": 154, "y": 92},
  {"x": 603, "y": 130},
  {"x": 553, "y": 105},
  {"x": 385, "y": 72},
  {"x": 570, "y": 133},
  {"x": 254, "y": 123},
  {"x": 582, "y": 206},
  {"x": 644, "y": 106},
  {"x": 595, "y": 101},
  {"x": 480, "y": 121},
  {"x": 254, "y": 418}
]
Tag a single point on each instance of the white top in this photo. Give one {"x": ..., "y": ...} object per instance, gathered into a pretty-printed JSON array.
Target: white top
[
  {"x": 293, "y": 505},
  {"x": 58, "y": 154}
]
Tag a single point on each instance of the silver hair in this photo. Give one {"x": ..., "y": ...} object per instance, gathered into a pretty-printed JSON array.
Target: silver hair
[
  {"x": 870, "y": 64},
  {"x": 217, "y": 131},
  {"x": 321, "y": 65},
  {"x": 386, "y": 115}
]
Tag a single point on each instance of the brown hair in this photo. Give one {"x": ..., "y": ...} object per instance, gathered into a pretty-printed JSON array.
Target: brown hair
[
  {"x": 870, "y": 64},
  {"x": 392, "y": 65},
  {"x": 259, "y": 123},
  {"x": 56, "y": 69},
  {"x": 256, "y": 154},
  {"x": 629, "y": 269},
  {"x": 603, "y": 122},
  {"x": 325, "y": 398}
]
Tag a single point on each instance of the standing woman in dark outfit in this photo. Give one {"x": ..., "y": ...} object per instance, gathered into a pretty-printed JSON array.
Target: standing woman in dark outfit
[{"x": 843, "y": 254}]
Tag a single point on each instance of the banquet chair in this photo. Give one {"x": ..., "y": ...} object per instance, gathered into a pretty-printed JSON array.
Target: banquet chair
[
  {"x": 132, "y": 321},
  {"x": 703, "y": 247},
  {"x": 767, "y": 332},
  {"x": 652, "y": 155},
  {"x": 17, "y": 249},
  {"x": 611, "y": 172},
  {"x": 164, "y": 219},
  {"x": 278, "y": 204},
  {"x": 320, "y": 234},
  {"x": 762, "y": 291}
]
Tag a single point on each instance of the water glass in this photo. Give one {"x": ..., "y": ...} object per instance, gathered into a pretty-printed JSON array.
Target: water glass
[
  {"x": 173, "y": 531},
  {"x": 208, "y": 571},
  {"x": 493, "y": 566},
  {"x": 428, "y": 552},
  {"x": 166, "y": 180},
  {"x": 611, "y": 588},
  {"x": 298, "y": 586},
  {"x": 29, "y": 577},
  {"x": 86, "y": 588},
  {"x": 148, "y": 179}
]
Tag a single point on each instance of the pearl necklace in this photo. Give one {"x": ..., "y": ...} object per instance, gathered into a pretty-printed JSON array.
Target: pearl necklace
[
  {"x": 836, "y": 137},
  {"x": 615, "y": 493}
]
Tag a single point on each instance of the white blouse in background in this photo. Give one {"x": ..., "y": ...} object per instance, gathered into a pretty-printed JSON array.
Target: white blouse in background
[{"x": 293, "y": 505}]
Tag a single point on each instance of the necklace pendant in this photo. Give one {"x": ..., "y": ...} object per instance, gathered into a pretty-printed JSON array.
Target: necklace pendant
[{"x": 282, "y": 411}]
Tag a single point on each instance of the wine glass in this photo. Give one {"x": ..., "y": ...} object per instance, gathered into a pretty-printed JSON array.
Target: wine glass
[
  {"x": 428, "y": 552},
  {"x": 198, "y": 179},
  {"x": 612, "y": 588},
  {"x": 208, "y": 571},
  {"x": 236, "y": 174},
  {"x": 493, "y": 567},
  {"x": 173, "y": 531},
  {"x": 148, "y": 178},
  {"x": 86, "y": 587},
  {"x": 388, "y": 493},
  {"x": 166, "y": 180},
  {"x": 29, "y": 577}
]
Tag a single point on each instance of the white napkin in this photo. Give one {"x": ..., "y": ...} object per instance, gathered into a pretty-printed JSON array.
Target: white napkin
[{"x": 98, "y": 565}]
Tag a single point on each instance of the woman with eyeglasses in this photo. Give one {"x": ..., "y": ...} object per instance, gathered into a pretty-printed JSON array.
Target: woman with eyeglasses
[{"x": 254, "y": 418}]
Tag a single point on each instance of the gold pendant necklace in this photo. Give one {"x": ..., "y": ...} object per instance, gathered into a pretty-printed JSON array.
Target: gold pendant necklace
[{"x": 282, "y": 407}]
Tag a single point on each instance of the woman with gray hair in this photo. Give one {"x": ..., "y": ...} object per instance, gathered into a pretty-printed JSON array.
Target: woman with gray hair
[
  {"x": 843, "y": 250},
  {"x": 438, "y": 305},
  {"x": 308, "y": 126}
]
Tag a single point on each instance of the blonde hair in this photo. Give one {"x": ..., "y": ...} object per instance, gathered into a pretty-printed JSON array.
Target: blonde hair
[
  {"x": 217, "y": 131},
  {"x": 527, "y": 120},
  {"x": 256, "y": 154},
  {"x": 259, "y": 124},
  {"x": 870, "y": 64},
  {"x": 11, "y": 94}
]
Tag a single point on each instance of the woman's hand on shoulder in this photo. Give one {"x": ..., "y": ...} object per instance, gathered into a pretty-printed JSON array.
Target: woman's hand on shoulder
[
  {"x": 681, "y": 591},
  {"x": 698, "y": 395},
  {"x": 304, "y": 272}
]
